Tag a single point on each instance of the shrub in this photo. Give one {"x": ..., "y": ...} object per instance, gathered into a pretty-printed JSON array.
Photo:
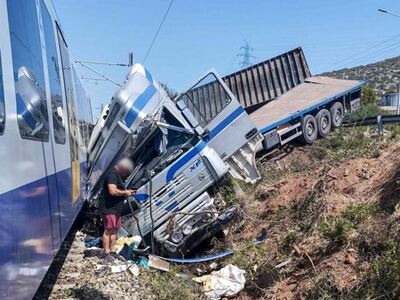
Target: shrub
[
  {"x": 383, "y": 276},
  {"x": 338, "y": 229},
  {"x": 368, "y": 95}
]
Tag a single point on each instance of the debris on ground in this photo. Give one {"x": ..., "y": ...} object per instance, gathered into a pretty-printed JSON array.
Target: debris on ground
[
  {"x": 158, "y": 263},
  {"x": 133, "y": 242},
  {"x": 227, "y": 282},
  {"x": 78, "y": 273},
  {"x": 134, "y": 269}
]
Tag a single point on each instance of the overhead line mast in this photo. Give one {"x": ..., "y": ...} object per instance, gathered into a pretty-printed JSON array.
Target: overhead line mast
[{"x": 246, "y": 54}]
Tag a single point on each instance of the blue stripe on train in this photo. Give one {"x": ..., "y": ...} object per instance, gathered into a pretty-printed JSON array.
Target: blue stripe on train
[{"x": 35, "y": 219}]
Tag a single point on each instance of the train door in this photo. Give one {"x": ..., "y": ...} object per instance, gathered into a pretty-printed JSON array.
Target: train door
[
  {"x": 73, "y": 131},
  {"x": 53, "y": 162}
]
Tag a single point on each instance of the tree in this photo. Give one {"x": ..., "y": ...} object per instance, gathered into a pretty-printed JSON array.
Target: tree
[{"x": 369, "y": 95}]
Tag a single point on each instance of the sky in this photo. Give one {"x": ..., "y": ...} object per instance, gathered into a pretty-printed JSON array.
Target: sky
[{"x": 203, "y": 34}]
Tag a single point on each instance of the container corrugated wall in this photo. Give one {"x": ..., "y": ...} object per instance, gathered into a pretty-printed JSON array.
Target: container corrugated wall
[
  {"x": 269, "y": 79},
  {"x": 252, "y": 86}
]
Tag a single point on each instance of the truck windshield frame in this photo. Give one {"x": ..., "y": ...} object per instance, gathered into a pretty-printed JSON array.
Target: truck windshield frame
[{"x": 206, "y": 98}]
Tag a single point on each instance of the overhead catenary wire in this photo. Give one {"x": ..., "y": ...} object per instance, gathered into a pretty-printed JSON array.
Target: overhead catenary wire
[
  {"x": 98, "y": 73},
  {"x": 355, "y": 55},
  {"x": 158, "y": 31},
  {"x": 369, "y": 56},
  {"x": 388, "y": 12}
]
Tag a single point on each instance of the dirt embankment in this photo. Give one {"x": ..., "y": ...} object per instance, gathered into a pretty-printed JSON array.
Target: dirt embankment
[{"x": 331, "y": 213}]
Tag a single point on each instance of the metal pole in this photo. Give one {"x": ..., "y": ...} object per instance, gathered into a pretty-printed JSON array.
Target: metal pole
[{"x": 398, "y": 98}]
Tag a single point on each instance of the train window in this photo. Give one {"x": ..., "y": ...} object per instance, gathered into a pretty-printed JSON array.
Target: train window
[
  {"x": 28, "y": 70},
  {"x": 2, "y": 108},
  {"x": 54, "y": 77}
]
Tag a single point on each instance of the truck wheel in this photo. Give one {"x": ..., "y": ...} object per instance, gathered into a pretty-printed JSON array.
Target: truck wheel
[
  {"x": 323, "y": 118},
  {"x": 310, "y": 129},
  {"x": 337, "y": 113}
]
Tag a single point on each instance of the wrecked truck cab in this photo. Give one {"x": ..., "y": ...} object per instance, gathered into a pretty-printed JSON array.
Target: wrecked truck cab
[{"x": 179, "y": 152}]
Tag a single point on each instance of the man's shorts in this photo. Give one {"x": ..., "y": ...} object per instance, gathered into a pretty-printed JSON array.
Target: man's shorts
[{"x": 112, "y": 221}]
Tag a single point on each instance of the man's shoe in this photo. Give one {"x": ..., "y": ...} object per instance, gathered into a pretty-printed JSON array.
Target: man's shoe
[
  {"x": 117, "y": 256},
  {"x": 108, "y": 258}
]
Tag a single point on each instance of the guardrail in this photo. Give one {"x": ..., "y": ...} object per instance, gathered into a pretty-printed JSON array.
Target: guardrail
[{"x": 379, "y": 121}]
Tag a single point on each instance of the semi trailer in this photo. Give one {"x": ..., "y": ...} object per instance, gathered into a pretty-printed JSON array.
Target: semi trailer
[{"x": 182, "y": 147}]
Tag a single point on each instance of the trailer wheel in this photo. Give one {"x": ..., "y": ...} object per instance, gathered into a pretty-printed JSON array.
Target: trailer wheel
[
  {"x": 310, "y": 129},
  {"x": 337, "y": 113},
  {"x": 324, "y": 122}
]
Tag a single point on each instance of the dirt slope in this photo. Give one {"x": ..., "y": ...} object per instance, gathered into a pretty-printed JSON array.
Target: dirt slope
[{"x": 328, "y": 209}]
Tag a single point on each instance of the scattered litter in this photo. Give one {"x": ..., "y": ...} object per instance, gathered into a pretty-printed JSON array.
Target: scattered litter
[
  {"x": 134, "y": 269},
  {"x": 158, "y": 263},
  {"x": 100, "y": 268},
  {"x": 118, "y": 269},
  {"x": 133, "y": 242},
  {"x": 213, "y": 266},
  {"x": 226, "y": 282},
  {"x": 282, "y": 264},
  {"x": 93, "y": 243},
  {"x": 127, "y": 252},
  {"x": 200, "y": 271},
  {"x": 142, "y": 261}
]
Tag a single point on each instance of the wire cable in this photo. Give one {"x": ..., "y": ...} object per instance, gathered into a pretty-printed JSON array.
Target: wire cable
[
  {"x": 158, "y": 31},
  {"x": 355, "y": 55},
  {"x": 360, "y": 60}
]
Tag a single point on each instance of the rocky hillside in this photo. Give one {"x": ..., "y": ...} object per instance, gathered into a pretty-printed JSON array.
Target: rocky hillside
[{"x": 382, "y": 75}]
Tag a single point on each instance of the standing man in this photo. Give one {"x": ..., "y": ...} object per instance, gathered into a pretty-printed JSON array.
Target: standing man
[{"x": 112, "y": 203}]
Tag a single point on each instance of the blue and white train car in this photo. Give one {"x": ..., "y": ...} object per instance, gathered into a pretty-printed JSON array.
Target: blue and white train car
[{"x": 45, "y": 119}]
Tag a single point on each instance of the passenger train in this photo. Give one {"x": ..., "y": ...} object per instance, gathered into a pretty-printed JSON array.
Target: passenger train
[{"x": 45, "y": 125}]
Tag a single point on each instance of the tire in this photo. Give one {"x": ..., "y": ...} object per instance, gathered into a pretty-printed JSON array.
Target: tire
[
  {"x": 337, "y": 113},
  {"x": 324, "y": 122},
  {"x": 309, "y": 128}
]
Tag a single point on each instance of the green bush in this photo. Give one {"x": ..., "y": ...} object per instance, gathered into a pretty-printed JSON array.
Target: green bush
[
  {"x": 369, "y": 95},
  {"x": 338, "y": 229},
  {"x": 367, "y": 110},
  {"x": 349, "y": 143}
]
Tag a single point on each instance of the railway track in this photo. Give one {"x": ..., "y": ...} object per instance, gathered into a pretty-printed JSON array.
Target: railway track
[{"x": 73, "y": 275}]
